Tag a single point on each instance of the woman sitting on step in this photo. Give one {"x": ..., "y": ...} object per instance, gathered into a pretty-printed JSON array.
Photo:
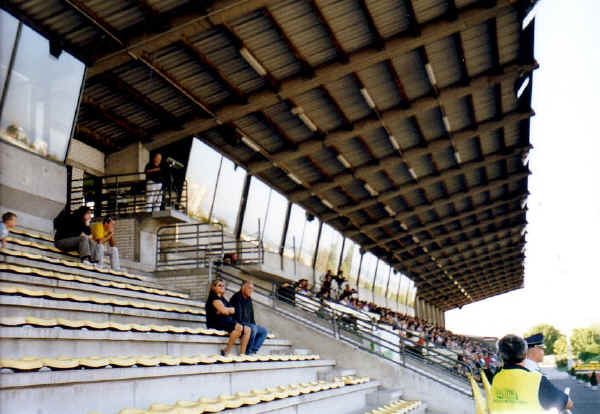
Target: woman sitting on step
[
  {"x": 219, "y": 316},
  {"x": 73, "y": 233}
]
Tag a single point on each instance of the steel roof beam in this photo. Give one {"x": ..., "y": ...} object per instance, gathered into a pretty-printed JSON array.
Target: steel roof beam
[
  {"x": 430, "y": 32},
  {"x": 417, "y": 106},
  {"x": 222, "y": 11},
  {"x": 448, "y": 220},
  {"x": 399, "y": 217}
]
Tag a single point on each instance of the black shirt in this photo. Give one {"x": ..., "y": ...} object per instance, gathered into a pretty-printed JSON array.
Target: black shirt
[
  {"x": 244, "y": 311},
  {"x": 213, "y": 320},
  {"x": 155, "y": 176},
  {"x": 550, "y": 396},
  {"x": 73, "y": 226}
]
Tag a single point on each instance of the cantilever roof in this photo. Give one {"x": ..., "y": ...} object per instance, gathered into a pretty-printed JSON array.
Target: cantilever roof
[{"x": 413, "y": 138}]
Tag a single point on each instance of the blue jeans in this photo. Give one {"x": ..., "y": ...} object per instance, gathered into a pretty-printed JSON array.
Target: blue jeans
[{"x": 257, "y": 337}]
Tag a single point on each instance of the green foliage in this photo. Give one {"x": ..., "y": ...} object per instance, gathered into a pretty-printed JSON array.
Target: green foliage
[
  {"x": 586, "y": 342},
  {"x": 551, "y": 335},
  {"x": 561, "y": 347}
]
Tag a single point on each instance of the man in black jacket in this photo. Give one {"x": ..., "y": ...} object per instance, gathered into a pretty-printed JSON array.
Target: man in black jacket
[{"x": 244, "y": 314}]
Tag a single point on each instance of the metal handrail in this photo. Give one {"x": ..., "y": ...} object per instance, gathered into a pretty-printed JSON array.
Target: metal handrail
[
  {"x": 124, "y": 194},
  {"x": 181, "y": 246},
  {"x": 399, "y": 345}
]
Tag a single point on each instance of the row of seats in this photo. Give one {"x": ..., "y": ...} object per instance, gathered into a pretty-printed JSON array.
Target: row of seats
[
  {"x": 38, "y": 236},
  {"x": 48, "y": 294},
  {"x": 397, "y": 407},
  {"x": 108, "y": 325},
  {"x": 41, "y": 246},
  {"x": 224, "y": 402},
  {"x": 70, "y": 263},
  {"x": 60, "y": 363},
  {"x": 87, "y": 280}
]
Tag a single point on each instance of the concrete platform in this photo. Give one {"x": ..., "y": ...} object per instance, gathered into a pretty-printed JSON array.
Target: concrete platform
[{"x": 22, "y": 341}]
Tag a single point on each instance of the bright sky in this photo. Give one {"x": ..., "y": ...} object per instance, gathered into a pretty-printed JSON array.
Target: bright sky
[{"x": 562, "y": 280}]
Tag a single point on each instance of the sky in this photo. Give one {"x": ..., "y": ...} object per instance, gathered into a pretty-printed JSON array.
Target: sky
[{"x": 562, "y": 279}]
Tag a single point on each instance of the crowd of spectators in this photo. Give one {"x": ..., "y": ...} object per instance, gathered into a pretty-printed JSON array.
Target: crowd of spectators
[{"x": 416, "y": 334}]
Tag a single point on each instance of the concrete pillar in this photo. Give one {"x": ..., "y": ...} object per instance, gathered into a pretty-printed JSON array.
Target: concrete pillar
[
  {"x": 32, "y": 187},
  {"x": 132, "y": 158}
]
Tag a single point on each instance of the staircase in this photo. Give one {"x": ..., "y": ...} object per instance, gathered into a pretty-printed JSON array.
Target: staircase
[{"x": 78, "y": 339}]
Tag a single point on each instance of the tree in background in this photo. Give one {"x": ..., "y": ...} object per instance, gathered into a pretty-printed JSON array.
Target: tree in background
[
  {"x": 561, "y": 348},
  {"x": 586, "y": 342},
  {"x": 551, "y": 335}
]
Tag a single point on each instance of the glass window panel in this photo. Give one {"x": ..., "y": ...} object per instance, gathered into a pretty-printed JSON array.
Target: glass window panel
[
  {"x": 392, "y": 290},
  {"x": 41, "y": 99},
  {"x": 381, "y": 279},
  {"x": 274, "y": 221},
  {"x": 330, "y": 248},
  {"x": 351, "y": 261},
  {"x": 301, "y": 238},
  {"x": 229, "y": 191},
  {"x": 203, "y": 166},
  {"x": 256, "y": 209},
  {"x": 8, "y": 31},
  {"x": 367, "y": 273}
]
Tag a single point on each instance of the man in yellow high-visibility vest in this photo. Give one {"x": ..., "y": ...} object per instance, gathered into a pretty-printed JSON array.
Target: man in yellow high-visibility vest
[{"x": 516, "y": 390}]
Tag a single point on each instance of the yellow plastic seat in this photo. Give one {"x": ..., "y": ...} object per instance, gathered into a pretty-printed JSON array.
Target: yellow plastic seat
[
  {"x": 61, "y": 363},
  {"x": 22, "y": 364},
  {"x": 211, "y": 405},
  {"x": 230, "y": 401},
  {"x": 94, "y": 362},
  {"x": 123, "y": 361},
  {"x": 248, "y": 398},
  {"x": 148, "y": 361},
  {"x": 163, "y": 409}
]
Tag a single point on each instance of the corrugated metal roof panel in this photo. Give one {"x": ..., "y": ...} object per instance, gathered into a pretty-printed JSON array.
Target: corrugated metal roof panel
[
  {"x": 427, "y": 10},
  {"x": 390, "y": 16},
  {"x": 405, "y": 133},
  {"x": 484, "y": 102},
  {"x": 354, "y": 152},
  {"x": 431, "y": 124},
  {"x": 509, "y": 31},
  {"x": 477, "y": 49},
  {"x": 305, "y": 32},
  {"x": 322, "y": 113},
  {"x": 444, "y": 60},
  {"x": 348, "y": 96},
  {"x": 379, "y": 82},
  {"x": 294, "y": 128},
  {"x": 347, "y": 23},
  {"x": 458, "y": 114},
  {"x": 411, "y": 71},
  {"x": 263, "y": 41}
]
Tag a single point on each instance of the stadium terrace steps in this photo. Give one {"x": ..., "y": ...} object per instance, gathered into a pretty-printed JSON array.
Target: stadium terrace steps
[
  {"x": 58, "y": 281},
  {"x": 98, "y": 333}
]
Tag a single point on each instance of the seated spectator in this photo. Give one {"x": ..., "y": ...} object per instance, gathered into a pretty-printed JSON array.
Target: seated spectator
[
  {"x": 219, "y": 315},
  {"x": 286, "y": 293},
  {"x": 73, "y": 232},
  {"x": 302, "y": 287},
  {"x": 230, "y": 258},
  {"x": 340, "y": 279},
  {"x": 244, "y": 314},
  {"x": 326, "y": 285},
  {"x": 346, "y": 293},
  {"x": 9, "y": 221},
  {"x": 105, "y": 233}
]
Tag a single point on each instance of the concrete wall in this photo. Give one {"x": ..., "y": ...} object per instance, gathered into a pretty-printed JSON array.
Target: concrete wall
[
  {"x": 86, "y": 158},
  {"x": 130, "y": 159},
  {"x": 32, "y": 187},
  {"x": 438, "y": 397}
]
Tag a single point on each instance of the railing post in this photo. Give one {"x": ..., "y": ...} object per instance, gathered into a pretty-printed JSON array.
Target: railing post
[{"x": 198, "y": 248}]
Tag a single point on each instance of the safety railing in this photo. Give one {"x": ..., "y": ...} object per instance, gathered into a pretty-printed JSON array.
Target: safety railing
[
  {"x": 361, "y": 332},
  {"x": 126, "y": 194},
  {"x": 184, "y": 246}
]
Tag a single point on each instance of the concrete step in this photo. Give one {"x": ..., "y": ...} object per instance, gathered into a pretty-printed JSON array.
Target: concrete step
[
  {"x": 302, "y": 351},
  {"x": 71, "y": 267},
  {"x": 37, "y": 282},
  {"x": 384, "y": 396},
  {"x": 17, "y": 342},
  {"x": 108, "y": 390},
  {"x": 13, "y": 305},
  {"x": 329, "y": 375}
]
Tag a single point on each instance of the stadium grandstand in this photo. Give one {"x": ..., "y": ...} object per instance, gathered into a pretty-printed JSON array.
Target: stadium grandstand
[{"x": 362, "y": 162}]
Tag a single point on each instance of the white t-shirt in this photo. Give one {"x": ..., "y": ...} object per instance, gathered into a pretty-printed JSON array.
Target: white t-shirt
[
  {"x": 532, "y": 366},
  {"x": 3, "y": 231}
]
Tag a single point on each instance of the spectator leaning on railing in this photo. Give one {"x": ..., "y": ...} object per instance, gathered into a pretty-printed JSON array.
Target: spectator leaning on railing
[{"x": 154, "y": 183}]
